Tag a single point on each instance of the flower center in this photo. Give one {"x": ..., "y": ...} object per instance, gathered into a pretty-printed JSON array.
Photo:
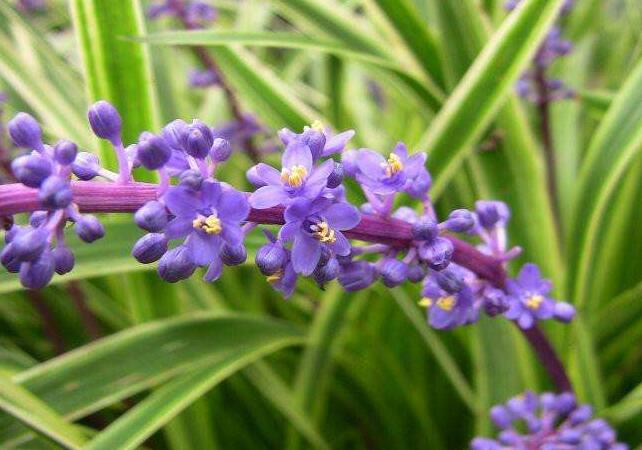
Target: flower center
[
  {"x": 425, "y": 302},
  {"x": 534, "y": 302},
  {"x": 394, "y": 165},
  {"x": 447, "y": 303},
  {"x": 276, "y": 276},
  {"x": 323, "y": 232},
  {"x": 210, "y": 224},
  {"x": 294, "y": 176}
]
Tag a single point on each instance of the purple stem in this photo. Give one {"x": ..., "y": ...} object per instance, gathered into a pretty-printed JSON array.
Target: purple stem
[{"x": 97, "y": 197}]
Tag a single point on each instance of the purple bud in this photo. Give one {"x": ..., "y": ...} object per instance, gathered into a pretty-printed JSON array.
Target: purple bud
[
  {"x": 349, "y": 162},
  {"x": 565, "y": 403},
  {"x": 55, "y": 192},
  {"x": 153, "y": 152},
  {"x": 564, "y": 312},
  {"x": 449, "y": 281},
  {"x": 254, "y": 178},
  {"x": 105, "y": 121},
  {"x": 336, "y": 176},
  {"x": 11, "y": 233},
  {"x": 425, "y": 229},
  {"x": 221, "y": 150},
  {"x": 437, "y": 253},
  {"x": 203, "y": 78},
  {"x": 460, "y": 221},
  {"x": 37, "y": 218},
  {"x": 327, "y": 272},
  {"x": 491, "y": 213},
  {"x": 25, "y": 131},
  {"x": 393, "y": 272},
  {"x": 86, "y": 166},
  {"x": 315, "y": 140},
  {"x": 501, "y": 416},
  {"x": 581, "y": 414},
  {"x": 233, "y": 256},
  {"x": 63, "y": 259},
  {"x": 175, "y": 133},
  {"x": 270, "y": 258},
  {"x": 176, "y": 265},
  {"x": 570, "y": 436},
  {"x": 416, "y": 273},
  {"x": 197, "y": 144},
  {"x": 37, "y": 274},
  {"x": 152, "y": 216},
  {"x": 89, "y": 229},
  {"x": 9, "y": 259},
  {"x": 357, "y": 275},
  {"x": 150, "y": 248},
  {"x": 206, "y": 133},
  {"x": 30, "y": 244},
  {"x": 31, "y": 170},
  {"x": 65, "y": 152},
  {"x": 192, "y": 179},
  {"x": 420, "y": 185}
]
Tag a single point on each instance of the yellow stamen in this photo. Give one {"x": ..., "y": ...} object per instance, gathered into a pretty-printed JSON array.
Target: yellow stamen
[
  {"x": 425, "y": 302},
  {"x": 447, "y": 303},
  {"x": 394, "y": 165},
  {"x": 211, "y": 224},
  {"x": 295, "y": 176},
  {"x": 324, "y": 233},
  {"x": 276, "y": 276},
  {"x": 534, "y": 301},
  {"x": 318, "y": 126}
]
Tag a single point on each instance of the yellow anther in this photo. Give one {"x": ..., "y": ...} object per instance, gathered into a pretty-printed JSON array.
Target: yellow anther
[
  {"x": 394, "y": 165},
  {"x": 425, "y": 302},
  {"x": 534, "y": 301},
  {"x": 276, "y": 276},
  {"x": 447, "y": 303},
  {"x": 324, "y": 233},
  {"x": 318, "y": 126},
  {"x": 211, "y": 224},
  {"x": 295, "y": 176}
]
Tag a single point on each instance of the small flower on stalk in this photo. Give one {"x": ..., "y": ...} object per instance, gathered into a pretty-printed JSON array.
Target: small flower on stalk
[{"x": 449, "y": 300}]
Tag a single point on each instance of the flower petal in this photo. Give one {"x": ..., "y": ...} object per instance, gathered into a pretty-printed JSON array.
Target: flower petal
[
  {"x": 268, "y": 196},
  {"x": 342, "y": 216},
  {"x": 289, "y": 230},
  {"x": 306, "y": 252},
  {"x": 178, "y": 227},
  {"x": 181, "y": 201},
  {"x": 341, "y": 246},
  {"x": 370, "y": 163},
  {"x": 232, "y": 233},
  {"x": 297, "y": 154},
  {"x": 210, "y": 193},
  {"x": 299, "y": 209},
  {"x": 203, "y": 248},
  {"x": 214, "y": 270},
  {"x": 318, "y": 180},
  {"x": 233, "y": 206},
  {"x": 337, "y": 143},
  {"x": 268, "y": 174},
  {"x": 401, "y": 150}
]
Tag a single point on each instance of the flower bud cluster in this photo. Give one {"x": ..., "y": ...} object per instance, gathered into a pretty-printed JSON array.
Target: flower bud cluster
[{"x": 548, "y": 422}]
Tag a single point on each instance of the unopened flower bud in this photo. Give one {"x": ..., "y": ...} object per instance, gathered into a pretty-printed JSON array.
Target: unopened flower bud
[
  {"x": 37, "y": 274},
  {"x": 55, "y": 192},
  {"x": 581, "y": 414},
  {"x": 29, "y": 245},
  {"x": 153, "y": 152},
  {"x": 221, "y": 150},
  {"x": 192, "y": 179},
  {"x": 357, "y": 275},
  {"x": 460, "y": 221},
  {"x": 105, "y": 121},
  {"x": 349, "y": 162},
  {"x": 37, "y": 218},
  {"x": 176, "y": 265},
  {"x": 336, "y": 176},
  {"x": 324, "y": 273},
  {"x": 564, "y": 312},
  {"x": 25, "y": 131},
  {"x": 425, "y": 229},
  {"x": 315, "y": 140},
  {"x": 31, "y": 170},
  {"x": 393, "y": 272},
  {"x": 420, "y": 185},
  {"x": 197, "y": 144},
  {"x": 206, "y": 132},
  {"x": 416, "y": 273},
  {"x": 9, "y": 259},
  {"x": 63, "y": 259},
  {"x": 150, "y": 248},
  {"x": 89, "y": 229},
  {"x": 86, "y": 166},
  {"x": 270, "y": 258},
  {"x": 437, "y": 253},
  {"x": 175, "y": 133},
  {"x": 449, "y": 281},
  {"x": 491, "y": 213},
  {"x": 233, "y": 256},
  {"x": 152, "y": 216},
  {"x": 65, "y": 152}
]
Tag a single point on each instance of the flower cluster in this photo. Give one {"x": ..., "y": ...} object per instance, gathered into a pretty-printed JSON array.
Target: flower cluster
[
  {"x": 193, "y": 220},
  {"x": 533, "y": 85},
  {"x": 548, "y": 422}
]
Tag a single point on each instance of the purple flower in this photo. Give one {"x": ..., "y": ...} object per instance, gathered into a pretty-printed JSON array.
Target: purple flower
[
  {"x": 206, "y": 219},
  {"x": 447, "y": 308},
  {"x": 320, "y": 140},
  {"x": 388, "y": 176},
  {"x": 312, "y": 225},
  {"x": 298, "y": 178},
  {"x": 528, "y": 297},
  {"x": 549, "y": 422}
]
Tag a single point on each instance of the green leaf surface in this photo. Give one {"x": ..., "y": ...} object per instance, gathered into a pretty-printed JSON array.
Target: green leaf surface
[
  {"x": 87, "y": 379},
  {"x": 483, "y": 89}
]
